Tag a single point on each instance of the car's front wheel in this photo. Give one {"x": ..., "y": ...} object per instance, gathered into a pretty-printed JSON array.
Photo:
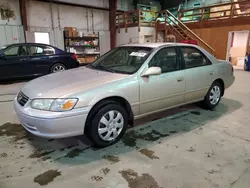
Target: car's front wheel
[
  {"x": 213, "y": 96},
  {"x": 108, "y": 125}
]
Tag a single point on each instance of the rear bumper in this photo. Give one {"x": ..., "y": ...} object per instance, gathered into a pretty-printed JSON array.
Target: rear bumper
[
  {"x": 52, "y": 124},
  {"x": 229, "y": 81}
]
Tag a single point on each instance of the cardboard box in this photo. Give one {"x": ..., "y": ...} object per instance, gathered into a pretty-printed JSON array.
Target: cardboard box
[
  {"x": 68, "y": 31},
  {"x": 74, "y": 32},
  {"x": 90, "y": 59}
]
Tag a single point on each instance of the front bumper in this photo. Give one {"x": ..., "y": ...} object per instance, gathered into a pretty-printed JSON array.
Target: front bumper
[{"x": 52, "y": 124}]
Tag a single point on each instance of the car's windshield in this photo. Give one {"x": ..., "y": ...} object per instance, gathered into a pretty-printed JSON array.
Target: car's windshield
[{"x": 125, "y": 60}]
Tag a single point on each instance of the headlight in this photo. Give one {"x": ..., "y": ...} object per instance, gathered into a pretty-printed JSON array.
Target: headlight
[
  {"x": 63, "y": 105},
  {"x": 42, "y": 104},
  {"x": 56, "y": 105}
]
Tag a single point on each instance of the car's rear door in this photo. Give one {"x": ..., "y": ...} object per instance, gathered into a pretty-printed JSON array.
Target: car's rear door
[
  {"x": 167, "y": 89},
  {"x": 199, "y": 73},
  {"x": 13, "y": 62},
  {"x": 41, "y": 57}
]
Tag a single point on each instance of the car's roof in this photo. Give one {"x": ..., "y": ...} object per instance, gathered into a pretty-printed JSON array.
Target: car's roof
[
  {"x": 40, "y": 44},
  {"x": 157, "y": 45}
]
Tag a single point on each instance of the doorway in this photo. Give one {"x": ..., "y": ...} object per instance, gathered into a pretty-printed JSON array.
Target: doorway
[
  {"x": 42, "y": 38},
  {"x": 237, "y": 48}
]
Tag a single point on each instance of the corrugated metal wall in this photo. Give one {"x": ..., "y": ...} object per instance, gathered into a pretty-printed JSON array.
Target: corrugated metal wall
[
  {"x": 52, "y": 18},
  {"x": 11, "y": 34}
]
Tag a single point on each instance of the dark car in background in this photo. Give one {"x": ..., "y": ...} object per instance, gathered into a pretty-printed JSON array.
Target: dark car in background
[{"x": 33, "y": 59}]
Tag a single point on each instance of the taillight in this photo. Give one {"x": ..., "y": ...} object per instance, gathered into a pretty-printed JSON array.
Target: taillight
[{"x": 73, "y": 56}]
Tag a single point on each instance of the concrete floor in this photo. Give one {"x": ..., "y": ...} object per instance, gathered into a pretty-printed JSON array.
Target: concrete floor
[{"x": 189, "y": 148}]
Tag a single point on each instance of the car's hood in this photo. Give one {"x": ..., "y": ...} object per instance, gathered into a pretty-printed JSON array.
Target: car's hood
[{"x": 68, "y": 82}]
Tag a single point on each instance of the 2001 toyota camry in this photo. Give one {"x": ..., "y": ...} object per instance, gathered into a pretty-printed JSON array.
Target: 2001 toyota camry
[{"x": 126, "y": 83}]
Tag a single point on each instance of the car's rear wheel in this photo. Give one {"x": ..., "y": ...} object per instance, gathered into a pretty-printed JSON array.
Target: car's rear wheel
[
  {"x": 108, "y": 125},
  {"x": 58, "y": 67},
  {"x": 213, "y": 96}
]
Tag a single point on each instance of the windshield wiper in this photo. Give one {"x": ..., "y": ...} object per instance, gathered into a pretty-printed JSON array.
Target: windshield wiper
[{"x": 104, "y": 68}]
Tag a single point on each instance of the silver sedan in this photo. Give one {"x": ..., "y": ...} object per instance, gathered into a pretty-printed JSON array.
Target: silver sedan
[{"x": 126, "y": 83}]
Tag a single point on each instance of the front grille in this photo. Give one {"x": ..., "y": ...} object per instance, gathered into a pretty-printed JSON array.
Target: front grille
[{"x": 22, "y": 99}]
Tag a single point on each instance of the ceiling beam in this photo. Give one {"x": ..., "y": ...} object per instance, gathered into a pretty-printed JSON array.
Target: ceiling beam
[{"x": 76, "y": 5}]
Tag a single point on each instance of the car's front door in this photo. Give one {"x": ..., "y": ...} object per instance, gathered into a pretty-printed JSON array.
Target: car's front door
[
  {"x": 199, "y": 73},
  {"x": 13, "y": 62},
  {"x": 167, "y": 89},
  {"x": 41, "y": 58}
]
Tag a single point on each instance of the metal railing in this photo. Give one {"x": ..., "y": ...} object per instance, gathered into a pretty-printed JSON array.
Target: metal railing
[{"x": 231, "y": 10}]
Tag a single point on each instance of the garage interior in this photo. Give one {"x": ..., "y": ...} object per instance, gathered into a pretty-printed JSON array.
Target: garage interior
[{"x": 185, "y": 147}]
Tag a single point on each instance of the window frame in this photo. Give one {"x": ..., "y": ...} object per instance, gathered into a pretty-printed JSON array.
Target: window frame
[
  {"x": 41, "y": 46},
  {"x": 208, "y": 62},
  {"x": 178, "y": 60},
  {"x": 15, "y": 46}
]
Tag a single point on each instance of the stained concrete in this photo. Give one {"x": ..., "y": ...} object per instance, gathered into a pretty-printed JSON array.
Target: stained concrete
[{"x": 186, "y": 147}]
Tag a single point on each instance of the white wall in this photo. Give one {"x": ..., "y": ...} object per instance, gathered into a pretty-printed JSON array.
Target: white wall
[
  {"x": 14, "y": 5},
  {"x": 11, "y": 31},
  {"x": 124, "y": 38},
  {"x": 125, "y": 5},
  {"x": 40, "y": 19},
  {"x": 134, "y": 35}
]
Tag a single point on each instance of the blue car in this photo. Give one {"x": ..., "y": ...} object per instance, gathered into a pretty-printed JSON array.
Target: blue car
[{"x": 33, "y": 59}]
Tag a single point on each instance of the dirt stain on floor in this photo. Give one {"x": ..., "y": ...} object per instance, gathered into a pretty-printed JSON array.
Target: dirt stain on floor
[
  {"x": 111, "y": 158},
  {"x": 148, "y": 153},
  {"x": 74, "y": 153},
  {"x": 136, "y": 181},
  {"x": 13, "y": 130},
  {"x": 41, "y": 154},
  {"x": 96, "y": 178},
  {"x": 196, "y": 113},
  {"x": 129, "y": 139},
  {"x": 105, "y": 171},
  {"x": 3, "y": 155},
  {"x": 46, "y": 177}
]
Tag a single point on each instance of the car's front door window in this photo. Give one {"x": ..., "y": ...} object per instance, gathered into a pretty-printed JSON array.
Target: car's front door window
[
  {"x": 166, "y": 59},
  {"x": 16, "y": 51}
]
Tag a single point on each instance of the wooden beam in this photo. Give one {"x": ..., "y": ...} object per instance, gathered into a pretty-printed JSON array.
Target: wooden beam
[
  {"x": 112, "y": 22},
  {"x": 23, "y": 11}
]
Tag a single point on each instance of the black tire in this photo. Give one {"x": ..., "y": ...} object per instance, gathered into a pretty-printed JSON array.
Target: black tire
[
  {"x": 94, "y": 124},
  {"x": 52, "y": 70},
  {"x": 207, "y": 103}
]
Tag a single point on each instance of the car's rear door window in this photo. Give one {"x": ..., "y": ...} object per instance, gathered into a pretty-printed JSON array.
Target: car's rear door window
[
  {"x": 193, "y": 57},
  {"x": 41, "y": 50},
  {"x": 166, "y": 59}
]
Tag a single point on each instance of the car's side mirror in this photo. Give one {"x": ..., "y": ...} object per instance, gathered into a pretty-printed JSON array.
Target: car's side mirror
[{"x": 152, "y": 71}]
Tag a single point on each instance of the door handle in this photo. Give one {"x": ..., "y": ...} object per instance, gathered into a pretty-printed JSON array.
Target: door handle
[
  {"x": 180, "y": 79},
  {"x": 23, "y": 59}
]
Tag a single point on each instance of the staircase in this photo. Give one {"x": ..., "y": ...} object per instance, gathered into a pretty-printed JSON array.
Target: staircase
[{"x": 173, "y": 25}]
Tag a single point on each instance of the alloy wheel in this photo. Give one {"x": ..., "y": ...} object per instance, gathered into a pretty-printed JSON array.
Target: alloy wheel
[{"x": 58, "y": 68}]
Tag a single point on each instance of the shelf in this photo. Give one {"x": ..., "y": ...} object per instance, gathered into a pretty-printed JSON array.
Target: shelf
[
  {"x": 93, "y": 53},
  {"x": 82, "y": 38}
]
